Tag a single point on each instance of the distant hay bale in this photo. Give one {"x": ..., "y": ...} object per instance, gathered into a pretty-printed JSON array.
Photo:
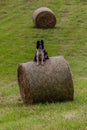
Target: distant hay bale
[
  {"x": 44, "y": 18},
  {"x": 50, "y": 82}
]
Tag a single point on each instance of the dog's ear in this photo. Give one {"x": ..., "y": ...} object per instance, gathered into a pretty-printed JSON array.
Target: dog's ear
[
  {"x": 37, "y": 44},
  {"x": 42, "y": 42}
]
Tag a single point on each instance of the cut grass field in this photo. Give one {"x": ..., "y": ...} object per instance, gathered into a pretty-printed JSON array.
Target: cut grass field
[{"x": 18, "y": 37}]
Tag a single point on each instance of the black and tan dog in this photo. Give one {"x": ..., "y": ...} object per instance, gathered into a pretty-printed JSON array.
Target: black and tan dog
[{"x": 41, "y": 55}]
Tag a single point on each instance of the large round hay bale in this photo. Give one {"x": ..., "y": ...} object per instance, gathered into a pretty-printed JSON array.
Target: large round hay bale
[
  {"x": 50, "y": 82},
  {"x": 44, "y": 18}
]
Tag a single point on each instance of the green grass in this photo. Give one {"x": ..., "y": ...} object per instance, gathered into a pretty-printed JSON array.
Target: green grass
[{"x": 18, "y": 37}]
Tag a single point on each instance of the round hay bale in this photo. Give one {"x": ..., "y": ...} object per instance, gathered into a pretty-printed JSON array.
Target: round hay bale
[
  {"x": 44, "y": 18},
  {"x": 50, "y": 82}
]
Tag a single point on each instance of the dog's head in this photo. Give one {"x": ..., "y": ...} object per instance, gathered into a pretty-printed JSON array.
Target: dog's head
[{"x": 40, "y": 44}]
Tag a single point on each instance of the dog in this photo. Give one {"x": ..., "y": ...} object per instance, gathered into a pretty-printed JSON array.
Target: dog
[{"x": 41, "y": 55}]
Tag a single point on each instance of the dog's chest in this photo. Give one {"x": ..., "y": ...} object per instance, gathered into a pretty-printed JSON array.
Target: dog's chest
[{"x": 39, "y": 52}]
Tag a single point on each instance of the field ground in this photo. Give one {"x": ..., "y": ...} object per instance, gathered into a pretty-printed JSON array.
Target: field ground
[{"x": 18, "y": 37}]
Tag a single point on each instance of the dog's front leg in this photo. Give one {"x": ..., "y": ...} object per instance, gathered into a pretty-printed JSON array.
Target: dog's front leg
[
  {"x": 42, "y": 59},
  {"x": 37, "y": 59}
]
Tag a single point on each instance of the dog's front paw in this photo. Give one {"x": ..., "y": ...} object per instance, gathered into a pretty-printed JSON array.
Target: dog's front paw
[
  {"x": 37, "y": 63},
  {"x": 42, "y": 63}
]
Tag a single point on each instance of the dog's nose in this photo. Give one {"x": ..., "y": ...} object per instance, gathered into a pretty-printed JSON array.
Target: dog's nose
[{"x": 40, "y": 46}]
